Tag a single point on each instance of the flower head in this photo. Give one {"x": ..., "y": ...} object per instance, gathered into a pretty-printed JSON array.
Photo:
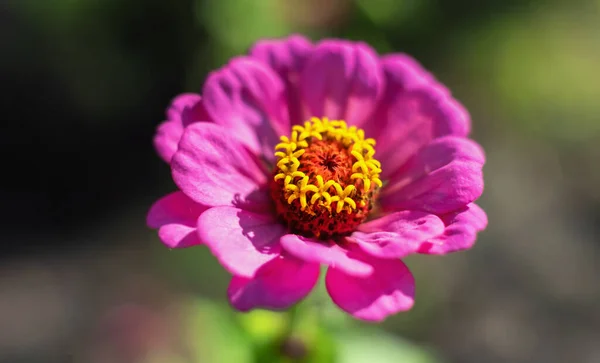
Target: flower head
[{"x": 300, "y": 155}]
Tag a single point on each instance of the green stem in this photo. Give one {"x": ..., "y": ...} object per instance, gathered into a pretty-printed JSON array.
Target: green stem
[{"x": 292, "y": 320}]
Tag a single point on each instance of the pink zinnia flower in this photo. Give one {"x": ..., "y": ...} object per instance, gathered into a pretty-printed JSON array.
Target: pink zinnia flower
[{"x": 300, "y": 155}]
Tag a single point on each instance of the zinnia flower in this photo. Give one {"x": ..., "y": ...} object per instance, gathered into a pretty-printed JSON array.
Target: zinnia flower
[{"x": 300, "y": 155}]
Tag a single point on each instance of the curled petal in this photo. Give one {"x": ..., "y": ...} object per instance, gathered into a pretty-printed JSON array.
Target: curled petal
[
  {"x": 342, "y": 80},
  {"x": 325, "y": 252},
  {"x": 248, "y": 98},
  {"x": 442, "y": 177},
  {"x": 414, "y": 110},
  {"x": 169, "y": 132},
  {"x": 406, "y": 73},
  {"x": 389, "y": 290},
  {"x": 167, "y": 138},
  {"x": 175, "y": 217},
  {"x": 195, "y": 113},
  {"x": 215, "y": 169},
  {"x": 287, "y": 57},
  {"x": 398, "y": 234},
  {"x": 277, "y": 285},
  {"x": 242, "y": 241},
  {"x": 181, "y": 103},
  {"x": 460, "y": 232}
]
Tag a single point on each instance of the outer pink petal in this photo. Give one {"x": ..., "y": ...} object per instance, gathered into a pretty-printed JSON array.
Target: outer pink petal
[
  {"x": 215, "y": 169},
  {"x": 342, "y": 80},
  {"x": 478, "y": 217},
  {"x": 195, "y": 113},
  {"x": 180, "y": 104},
  {"x": 398, "y": 234},
  {"x": 169, "y": 132},
  {"x": 389, "y": 290},
  {"x": 242, "y": 241},
  {"x": 405, "y": 72},
  {"x": 248, "y": 98},
  {"x": 287, "y": 57},
  {"x": 167, "y": 138},
  {"x": 326, "y": 252},
  {"x": 277, "y": 285},
  {"x": 175, "y": 216},
  {"x": 415, "y": 110},
  {"x": 442, "y": 177},
  {"x": 460, "y": 232}
]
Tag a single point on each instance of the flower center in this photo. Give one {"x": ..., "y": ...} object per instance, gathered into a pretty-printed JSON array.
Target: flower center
[{"x": 326, "y": 179}]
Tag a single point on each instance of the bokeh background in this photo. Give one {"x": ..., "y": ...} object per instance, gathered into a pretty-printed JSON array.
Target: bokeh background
[{"x": 85, "y": 83}]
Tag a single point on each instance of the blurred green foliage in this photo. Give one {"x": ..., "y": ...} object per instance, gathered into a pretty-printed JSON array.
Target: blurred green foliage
[
  {"x": 214, "y": 335},
  {"x": 541, "y": 69},
  {"x": 235, "y": 24}
]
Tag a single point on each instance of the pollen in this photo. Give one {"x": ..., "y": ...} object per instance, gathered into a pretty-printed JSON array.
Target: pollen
[{"x": 326, "y": 178}]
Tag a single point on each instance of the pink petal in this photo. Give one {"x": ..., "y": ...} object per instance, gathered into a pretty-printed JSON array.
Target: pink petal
[
  {"x": 325, "y": 252},
  {"x": 215, "y": 169},
  {"x": 342, "y": 80},
  {"x": 389, "y": 290},
  {"x": 169, "y": 132},
  {"x": 477, "y": 217},
  {"x": 287, "y": 57},
  {"x": 283, "y": 55},
  {"x": 248, "y": 98},
  {"x": 242, "y": 241},
  {"x": 460, "y": 233},
  {"x": 415, "y": 110},
  {"x": 405, "y": 72},
  {"x": 180, "y": 104},
  {"x": 277, "y": 285},
  {"x": 175, "y": 216},
  {"x": 398, "y": 234},
  {"x": 195, "y": 113},
  {"x": 167, "y": 138},
  {"x": 442, "y": 177}
]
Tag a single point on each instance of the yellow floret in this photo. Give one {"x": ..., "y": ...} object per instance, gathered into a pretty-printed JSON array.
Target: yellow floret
[{"x": 296, "y": 183}]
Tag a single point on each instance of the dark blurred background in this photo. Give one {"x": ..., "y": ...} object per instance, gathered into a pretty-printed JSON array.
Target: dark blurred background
[{"x": 85, "y": 83}]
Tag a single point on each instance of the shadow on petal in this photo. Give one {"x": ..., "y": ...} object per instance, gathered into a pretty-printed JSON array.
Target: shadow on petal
[{"x": 242, "y": 241}]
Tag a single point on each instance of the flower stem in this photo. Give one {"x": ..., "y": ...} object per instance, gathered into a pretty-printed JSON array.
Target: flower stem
[
  {"x": 292, "y": 320},
  {"x": 293, "y": 345}
]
